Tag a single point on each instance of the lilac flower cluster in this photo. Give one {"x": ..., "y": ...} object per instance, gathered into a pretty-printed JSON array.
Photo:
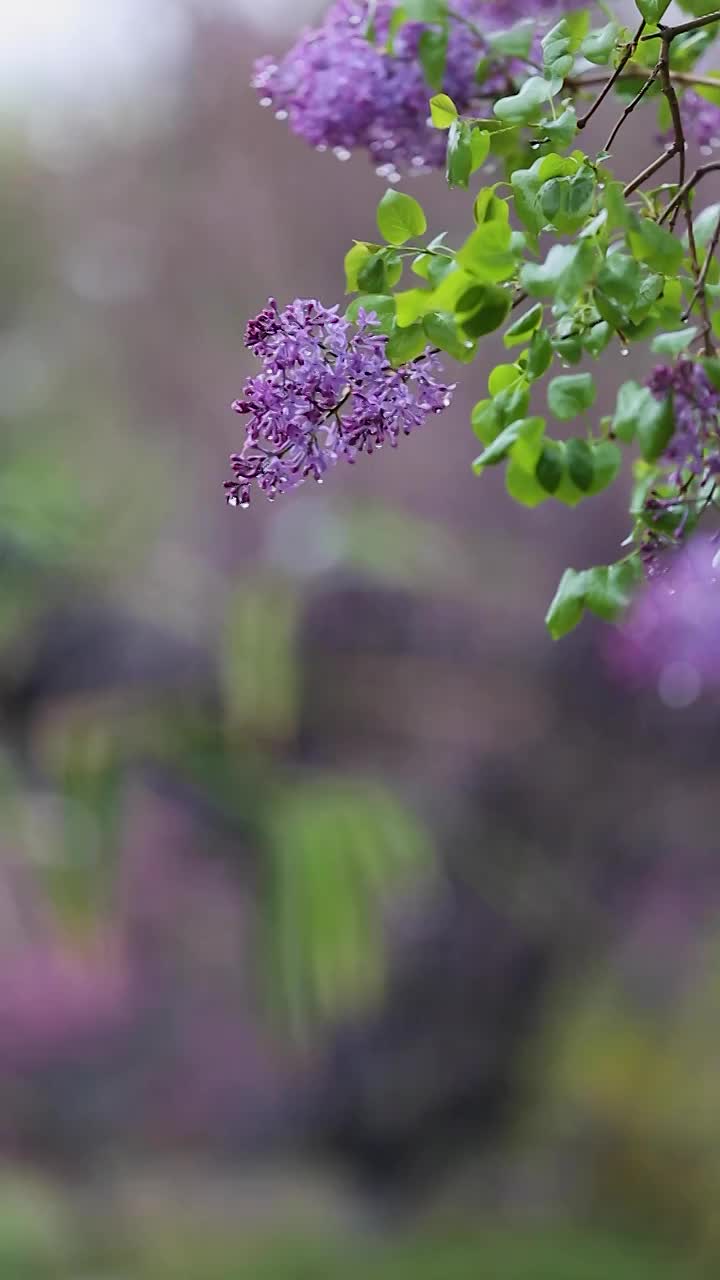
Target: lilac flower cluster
[
  {"x": 701, "y": 120},
  {"x": 671, "y": 638},
  {"x": 340, "y": 90},
  {"x": 692, "y": 456},
  {"x": 327, "y": 391},
  {"x": 695, "y": 444}
]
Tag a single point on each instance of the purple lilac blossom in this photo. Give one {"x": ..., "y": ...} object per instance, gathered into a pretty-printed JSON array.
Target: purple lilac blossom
[
  {"x": 701, "y": 120},
  {"x": 695, "y": 444},
  {"x": 327, "y": 391},
  {"x": 671, "y": 638},
  {"x": 692, "y": 457},
  {"x": 340, "y": 90}
]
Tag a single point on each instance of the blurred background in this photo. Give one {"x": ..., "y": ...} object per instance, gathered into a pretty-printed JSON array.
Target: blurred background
[{"x": 348, "y": 927}]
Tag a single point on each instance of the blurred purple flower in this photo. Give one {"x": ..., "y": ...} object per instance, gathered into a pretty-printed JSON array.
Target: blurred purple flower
[
  {"x": 327, "y": 391},
  {"x": 692, "y": 456},
  {"x": 701, "y": 120},
  {"x": 696, "y": 404},
  {"x": 340, "y": 90},
  {"x": 52, "y": 997},
  {"x": 671, "y": 638}
]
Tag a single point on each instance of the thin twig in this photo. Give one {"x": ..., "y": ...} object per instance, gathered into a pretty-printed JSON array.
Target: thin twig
[
  {"x": 705, "y": 268},
  {"x": 668, "y": 34},
  {"x": 630, "y": 50},
  {"x": 649, "y": 170},
  {"x": 672, "y": 100},
  {"x": 701, "y": 172},
  {"x": 685, "y": 78},
  {"x": 631, "y": 107}
]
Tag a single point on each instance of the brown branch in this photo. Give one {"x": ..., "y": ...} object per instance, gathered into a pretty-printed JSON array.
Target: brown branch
[
  {"x": 649, "y": 170},
  {"x": 700, "y": 286},
  {"x": 671, "y": 98},
  {"x": 668, "y": 34},
  {"x": 631, "y": 107},
  {"x": 630, "y": 50},
  {"x": 701, "y": 172},
  {"x": 686, "y": 78}
]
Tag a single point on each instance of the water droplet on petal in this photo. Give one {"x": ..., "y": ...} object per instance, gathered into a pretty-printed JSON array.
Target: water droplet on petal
[
  {"x": 281, "y": 115},
  {"x": 321, "y": 146},
  {"x": 342, "y": 153},
  {"x": 624, "y": 351},
  {"x": 232, "y": 500},
  {"x": 244, "y": 504},
  {"x": 266, "y": 102}
]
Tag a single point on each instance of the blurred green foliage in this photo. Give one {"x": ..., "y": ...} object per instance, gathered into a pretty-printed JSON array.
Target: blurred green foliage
[{"x": 44, "y": 1236}]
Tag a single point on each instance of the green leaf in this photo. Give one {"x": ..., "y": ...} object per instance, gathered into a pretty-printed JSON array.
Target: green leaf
[
  {"x": 441, "y": 328},
  {"x": 596, "y": 338},
  {"x": 580, "y": 463},
  {"x": 399, "y": 217},
  {"x": 619, "y": 278},
  {"x": 380, "y": 304},
  {"x": 607, "y": 460},
  {"x": 639, "y": 414},
  {"x": 354, "y": 259},
  {"x": 578, "y": 21},
  {"x": 705, "y": 223},
  {"x": 524, "y": 438},
  {"x": 524, "y": 327},
  {"x": 524, "y": 486},
  {"x": 570, "y": 393},
  {"x": 486, "y": 253},
  {"x": 371, "y": 274},
  {"x": 479, "y": 148},
  {"x": 459, "y": 154},
  {"x": 598, "y": 46},
  {"x": 425, "y": 10},
  {"x": 562, "y": 130},
  {"x": 483, "y": 309},
  {"x": 442, "y": 111},
  {"x": 502, "y": 376},
  {"x": 557, "y": 57},
  {"x": 512, "y": 402},
  {"x": 550, "y": 466},
  {"x": 711, "y": 365},
  {"x": 568, "y": 604},
  {"x": 499, "y": 449},
  {"x": 432, "y": 54},
  {"x": 606, "y": 590},
  {"x": 564, "y": 273},
  {"x": 671, "y": 344},
  {"x": 484, "y": 421},
  {"x": 516, "y": 42},
  {"x": 610, "y": 589},
  {"x": 490, "y": 208},
  {"x": 405, "y": 344},
  {"x": 614, "y": 202},
  {"x": 539, "y": 356},
  {"x": 652, "y": 10},
  {"x": 566, "y": 201},
  {"x": 653, "y": 244},
  {"x": 525, "y": 106}
]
